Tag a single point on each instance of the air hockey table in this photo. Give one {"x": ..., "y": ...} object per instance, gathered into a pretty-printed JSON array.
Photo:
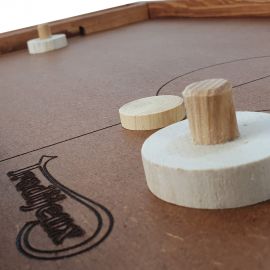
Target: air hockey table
[{"x": 73, "y": 190}]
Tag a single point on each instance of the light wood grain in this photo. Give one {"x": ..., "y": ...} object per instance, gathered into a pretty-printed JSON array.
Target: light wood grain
[
  {"x": 152, "y": 112},
  {"x": 210, "y": 111},
  {"x": 209, "y": 8},
  {"x": 42, "y": 45},
  {"x": 44, "y": 31}
]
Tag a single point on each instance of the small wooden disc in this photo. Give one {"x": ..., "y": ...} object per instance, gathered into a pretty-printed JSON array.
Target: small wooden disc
[
  {"x": 152, "y": 112},
  {"x": 51, "y": 43},
  {"x": 218, "y": 176}
]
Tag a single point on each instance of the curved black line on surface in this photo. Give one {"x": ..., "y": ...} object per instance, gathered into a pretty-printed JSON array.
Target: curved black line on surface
[
  {"x": 215, "y": 65},
  {"x": 157, "y": 93},
  {"x": 51, "y": 179},
  {"x": 22, "y": 242}
]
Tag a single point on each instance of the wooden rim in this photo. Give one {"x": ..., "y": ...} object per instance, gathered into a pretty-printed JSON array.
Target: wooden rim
[{"x": 137, "y": 12}]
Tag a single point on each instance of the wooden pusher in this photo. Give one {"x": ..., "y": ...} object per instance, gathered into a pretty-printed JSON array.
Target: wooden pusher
[
  {"x": 46, "y": 41},
  {"x": 210, "y": 161}
]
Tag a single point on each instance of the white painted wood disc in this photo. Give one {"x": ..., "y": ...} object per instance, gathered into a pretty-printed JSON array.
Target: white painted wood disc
[
  {"x": 152, "y": 112},
  {"x": 54, "y": 42},
  {"x": 228, "y": 175}
]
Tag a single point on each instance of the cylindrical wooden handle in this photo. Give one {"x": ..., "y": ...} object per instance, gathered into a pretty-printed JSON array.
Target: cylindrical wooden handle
[
  {"x": 210, "y": 111},
  {"x": 44, "y": 31}
]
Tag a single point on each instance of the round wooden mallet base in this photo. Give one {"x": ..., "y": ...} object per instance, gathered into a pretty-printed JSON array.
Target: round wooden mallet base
[
  {"x": 152, "y": 112},
  {"x": 51, "y": 43},
  {"x": 228, "y": 175}
]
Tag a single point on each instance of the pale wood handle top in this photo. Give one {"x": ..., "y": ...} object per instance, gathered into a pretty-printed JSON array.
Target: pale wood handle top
[
  {"x": 210, "y": 111},
  {"x": 44, "y": 31}
]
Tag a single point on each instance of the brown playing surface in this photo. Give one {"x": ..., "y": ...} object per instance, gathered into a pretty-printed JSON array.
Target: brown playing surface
[{"x": 52, "y": 99}]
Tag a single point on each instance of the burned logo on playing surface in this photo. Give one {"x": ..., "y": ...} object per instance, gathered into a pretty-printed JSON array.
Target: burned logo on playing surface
[{"x": 46, "y": 202}]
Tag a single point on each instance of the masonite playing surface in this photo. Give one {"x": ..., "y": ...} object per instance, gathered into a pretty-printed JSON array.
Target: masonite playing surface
[{"x": 66, "y": 103}]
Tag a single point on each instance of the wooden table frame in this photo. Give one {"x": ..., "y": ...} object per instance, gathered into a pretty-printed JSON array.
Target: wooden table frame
[{"x": 141, "y": 11}]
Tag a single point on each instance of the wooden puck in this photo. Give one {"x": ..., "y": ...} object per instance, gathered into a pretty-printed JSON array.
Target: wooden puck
[{"x": 152, "y": 112}]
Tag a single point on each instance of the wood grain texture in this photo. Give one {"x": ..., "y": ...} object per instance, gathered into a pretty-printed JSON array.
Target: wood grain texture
[
  {"x": 44, "y": 31},
  {"x": 210, "y": 111},
  {"x": 116, "y": 17},
  {"x": 152, "y": 112},
  {"x": 86, "y": 24},
  {"x": 209, "y": 8}
]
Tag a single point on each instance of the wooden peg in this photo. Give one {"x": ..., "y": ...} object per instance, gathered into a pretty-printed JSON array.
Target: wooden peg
[
  {"x": 44, "y": 31},
  {"x": 210, "y": 111}
]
